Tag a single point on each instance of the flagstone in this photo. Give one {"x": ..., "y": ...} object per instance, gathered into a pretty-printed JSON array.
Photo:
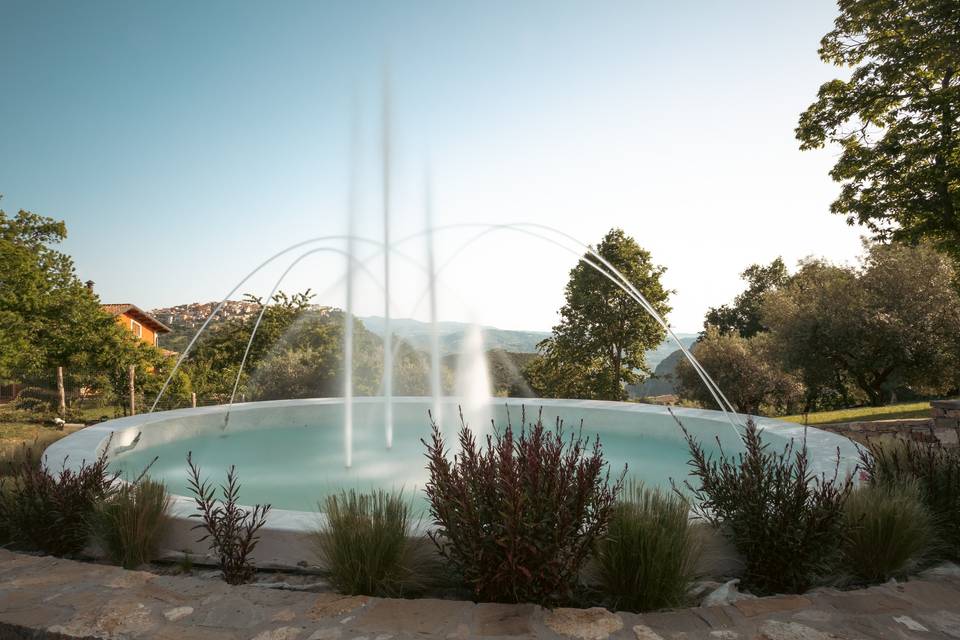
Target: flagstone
[{"x": 74, "y": 599}]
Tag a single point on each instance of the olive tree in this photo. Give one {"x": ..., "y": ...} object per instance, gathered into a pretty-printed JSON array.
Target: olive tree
[{"x": 890, "y": 323}]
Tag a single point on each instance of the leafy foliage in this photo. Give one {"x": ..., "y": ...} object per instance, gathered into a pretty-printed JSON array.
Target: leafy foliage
[
  {"x": 934, "y": 468},
  {"x": 516, "y": 518},
  {"x": 785, "y": 522},
  {"x": 887, "y": 529},
  {"x": 600, "y": 343},
  {"x": 230, "y": 529},
  {"x": 365, "y": 545},
  {"x": 897, "y": 119},
  {"x": 745, "y": 369},
  {"x": 646, "y": 560},
  {"x": 50, "y": 319},
  {"x": 131, "y": 521},
  {"x": 51, "y": 511},
  {"x": 891, "y": 324},
  {"x": 744, "y": 317}
]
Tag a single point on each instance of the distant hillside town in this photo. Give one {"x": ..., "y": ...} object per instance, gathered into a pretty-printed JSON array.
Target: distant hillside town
[{"x": 192, "y": 315}]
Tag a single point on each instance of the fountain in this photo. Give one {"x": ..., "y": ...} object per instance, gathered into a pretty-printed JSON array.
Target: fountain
[{"x": 291, "y": 453}]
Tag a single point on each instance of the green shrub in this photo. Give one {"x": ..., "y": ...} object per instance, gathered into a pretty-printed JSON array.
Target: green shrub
[
  {"x": 52, "y": 511},
  {"x": 646, "y": 560},
  {"x": 365, "y": 544},
  {"x": 516, "y": 519},
  {"x": 129, "y": 523},
  {"x": 36, "y": 399},
  {"x": 935, "y": 469},
  {"x": 230, "y": 529},
  {"x": 887, "y": 529},
  {"x": 785, "y": 522}
]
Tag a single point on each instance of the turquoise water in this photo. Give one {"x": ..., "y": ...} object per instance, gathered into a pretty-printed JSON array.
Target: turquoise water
[{"x": 295, "y": 467}]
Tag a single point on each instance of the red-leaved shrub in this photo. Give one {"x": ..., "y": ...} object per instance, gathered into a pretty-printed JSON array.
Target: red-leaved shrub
[
  {"x": 517, "y": 517},
  {"x": 50, "y": 511}
]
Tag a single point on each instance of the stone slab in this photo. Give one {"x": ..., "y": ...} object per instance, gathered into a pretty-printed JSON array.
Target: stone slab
[
  {"x": 80, "y": 600},
  {"x": 426, "y": 616},
  {"x": 872, "y": 602},
  {"x": 774, "y": 604},
  {"x": 493, "y": 619}
]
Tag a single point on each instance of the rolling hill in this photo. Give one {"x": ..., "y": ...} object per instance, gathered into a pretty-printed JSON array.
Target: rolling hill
[{"x": 451, "y": 336}]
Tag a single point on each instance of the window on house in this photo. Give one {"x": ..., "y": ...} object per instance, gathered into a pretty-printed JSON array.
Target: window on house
[{"x": 136, "y": 328}]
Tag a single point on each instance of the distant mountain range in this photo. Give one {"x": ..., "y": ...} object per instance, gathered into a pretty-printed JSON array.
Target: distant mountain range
[{"x": 451, "y": 336}]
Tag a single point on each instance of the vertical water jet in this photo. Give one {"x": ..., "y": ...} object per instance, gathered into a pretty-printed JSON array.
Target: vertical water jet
[
  {"x": 348, "y": 314},
  {"x": 387, "y": 332},
  {"x": 473, "y": 381},
  {"x": 435, "y": 390}
]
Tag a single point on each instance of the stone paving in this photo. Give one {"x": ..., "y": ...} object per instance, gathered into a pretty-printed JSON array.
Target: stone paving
[{"x": 45, "y": 597}]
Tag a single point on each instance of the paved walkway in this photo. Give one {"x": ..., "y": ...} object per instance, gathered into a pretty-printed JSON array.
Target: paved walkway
[{"x": 45, "y": 597}]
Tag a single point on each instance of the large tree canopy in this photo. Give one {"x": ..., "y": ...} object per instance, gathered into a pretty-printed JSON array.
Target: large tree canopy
[
  {"x": 600, "y": 343},
  {"x": 897, "y": 118},
  {"x": 892, "y": 324},
  {"x": 48, "y": 317}
]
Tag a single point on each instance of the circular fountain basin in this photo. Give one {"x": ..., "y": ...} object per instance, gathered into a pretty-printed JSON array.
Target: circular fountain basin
[{"x": 291, "y": 453}]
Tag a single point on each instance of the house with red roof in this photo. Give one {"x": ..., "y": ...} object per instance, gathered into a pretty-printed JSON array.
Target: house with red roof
[{"x": 138, "y": 322}]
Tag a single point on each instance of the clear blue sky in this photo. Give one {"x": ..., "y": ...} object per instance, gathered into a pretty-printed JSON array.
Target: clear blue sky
[{"x": 182, "y": 142}]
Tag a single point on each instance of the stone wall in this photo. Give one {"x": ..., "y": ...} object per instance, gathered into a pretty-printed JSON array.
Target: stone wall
[
  {"x": 942, "y": 426},
  {"x": 946, "y": 414}
]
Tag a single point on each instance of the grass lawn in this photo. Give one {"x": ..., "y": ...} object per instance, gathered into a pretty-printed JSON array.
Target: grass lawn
[
  {"x": 16, "y": 438},
  {"x": 889, "y": 412},
  {"x": 24, "y": 431}
]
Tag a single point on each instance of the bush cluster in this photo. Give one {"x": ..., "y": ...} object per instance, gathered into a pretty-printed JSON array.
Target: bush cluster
[
  {"x": 61, "y": 512},
  {"x": 51, "y": 511},
  {"x": 517, "y": 517},
  {"x": 786, "y": 523}
]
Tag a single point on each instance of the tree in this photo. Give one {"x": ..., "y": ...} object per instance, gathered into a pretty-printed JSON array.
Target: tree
[
  {"x": 744, "y": 369},
  {"x": 897, "y": 119},
  {"x": 49, "y": 318},
  {"x": 744, "y": 315},
  {"x": 600, "y": 342},
  {"x": 891, "y": 324}
]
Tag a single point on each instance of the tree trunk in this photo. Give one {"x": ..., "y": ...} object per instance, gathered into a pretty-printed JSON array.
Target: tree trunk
[
  {"x": 131, "y": 381},
  {"x": 61, "y": 394}
]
